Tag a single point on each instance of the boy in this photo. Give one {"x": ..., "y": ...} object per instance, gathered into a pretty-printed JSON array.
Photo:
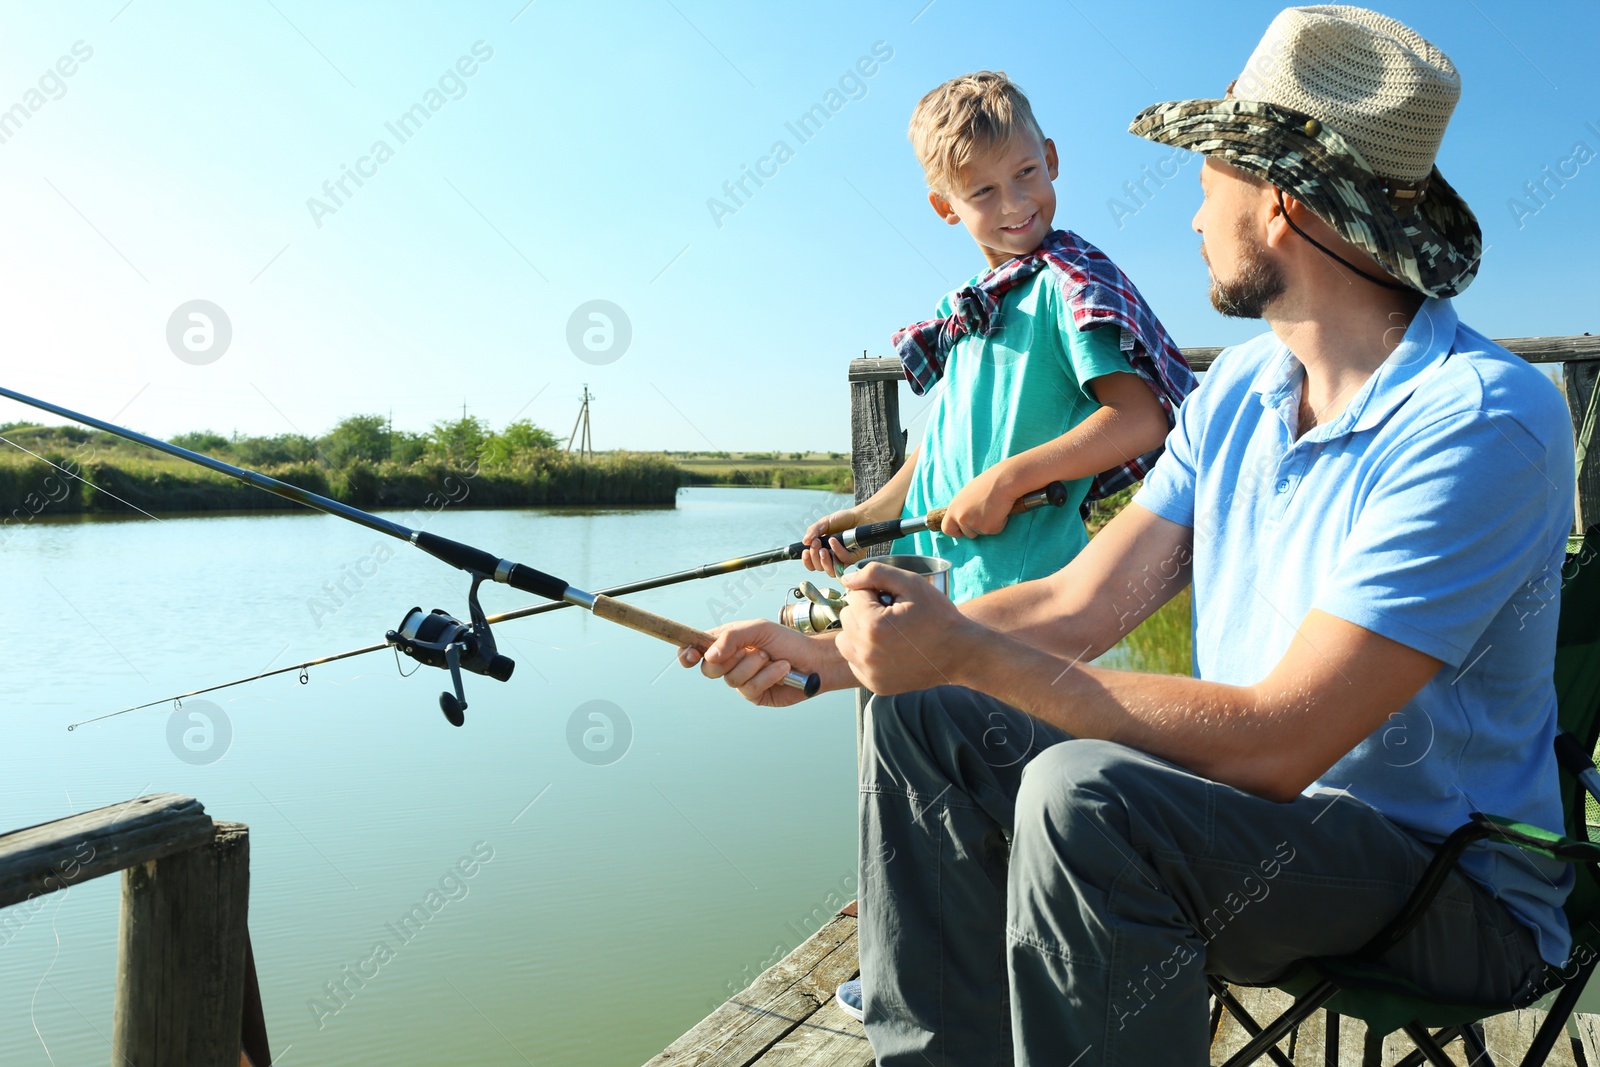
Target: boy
[{"x": 1037, "y": 391}]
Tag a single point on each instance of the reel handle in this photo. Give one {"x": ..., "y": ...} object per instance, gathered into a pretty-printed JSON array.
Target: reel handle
[
  {"x": 681, "y": 635},
  {"x": 454, "y": 705}
]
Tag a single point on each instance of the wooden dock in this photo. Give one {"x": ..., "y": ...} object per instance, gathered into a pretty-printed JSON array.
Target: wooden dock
[{"x": 787, "y": 1016}]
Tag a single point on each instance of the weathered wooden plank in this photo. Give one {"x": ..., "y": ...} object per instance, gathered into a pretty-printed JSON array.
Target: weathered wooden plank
[
  {"x": 1508, "y": 1036},
  {"x": 876, "y": 369},
  {"x": 830, "y": 1038},
  {"x": 1397, "y": 1046},
  {"x": 1264, "y": 1005},
  {"x": 1580, "y": 380},
  {"x": 1588, "y": 1027},
  {"x": 1582, "y": 348},
  {"x": 780, "y": 999},
  {"x": 1579, "y": 347},
  {"x": 181, "y": 956},
  {"x": 41, "y": 859}
]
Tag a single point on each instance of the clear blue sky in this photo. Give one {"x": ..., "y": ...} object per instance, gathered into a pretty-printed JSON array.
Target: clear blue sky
[{"x": 176, "y": 163}]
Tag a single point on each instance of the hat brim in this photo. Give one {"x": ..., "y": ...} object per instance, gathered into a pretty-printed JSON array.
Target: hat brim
[{"x": 1435, "y": 246}]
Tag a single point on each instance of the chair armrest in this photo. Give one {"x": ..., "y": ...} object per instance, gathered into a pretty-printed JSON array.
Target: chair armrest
[
  {"x": 1534, "y": 839},
  {"x": 1479, "y": 827}
]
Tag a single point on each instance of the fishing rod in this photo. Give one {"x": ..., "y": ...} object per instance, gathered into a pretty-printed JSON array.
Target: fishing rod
[
  {"x": 881, "y": 533},
  {"x": 1052, "y": 495},
  {"x": 437, "y": 638}
]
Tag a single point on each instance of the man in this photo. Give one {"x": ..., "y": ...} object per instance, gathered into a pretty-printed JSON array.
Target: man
[{"x": 1371, "y": 502}]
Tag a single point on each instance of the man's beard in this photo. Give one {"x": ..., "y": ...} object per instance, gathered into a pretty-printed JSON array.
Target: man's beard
[{"x": 1258, "y": 283}]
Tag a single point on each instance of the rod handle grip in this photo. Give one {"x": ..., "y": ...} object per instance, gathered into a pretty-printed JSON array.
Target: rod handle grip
[
  {"x": 873, "y": 533},
  {"x": 680, "y": 634},
  {"x": 648, "y": 622}
]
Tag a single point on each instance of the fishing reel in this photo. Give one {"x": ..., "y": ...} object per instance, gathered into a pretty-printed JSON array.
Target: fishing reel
[
  {"x": 439, "y": 639},
  {"x": 817, "y": 610}
]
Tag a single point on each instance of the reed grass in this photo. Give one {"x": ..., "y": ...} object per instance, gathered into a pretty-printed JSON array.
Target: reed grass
[{"x": 118, "y": 475}]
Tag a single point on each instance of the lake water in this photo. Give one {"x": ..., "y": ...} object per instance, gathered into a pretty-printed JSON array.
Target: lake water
[{"x": 627, "y": 872}]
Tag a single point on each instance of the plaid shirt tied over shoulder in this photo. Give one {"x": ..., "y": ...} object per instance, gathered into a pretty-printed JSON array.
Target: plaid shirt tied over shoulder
[{"x": 1099, "y": 295}]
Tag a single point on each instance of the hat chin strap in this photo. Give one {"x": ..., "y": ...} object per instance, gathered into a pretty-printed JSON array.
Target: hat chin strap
[{"x": 1374, "y": 279}]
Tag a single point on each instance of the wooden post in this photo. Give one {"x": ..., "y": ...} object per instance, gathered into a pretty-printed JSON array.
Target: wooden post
[
  {"x": 181, "y": 956},
  {"x": 1579, "y": 379},
  {"x": 877, "y": 443},
  {"x": 877, "y": 452}
]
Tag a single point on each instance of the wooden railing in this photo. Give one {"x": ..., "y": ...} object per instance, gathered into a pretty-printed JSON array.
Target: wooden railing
[
  {"x": 185, "y": 993},
  {"x": 878, "y": 444}
]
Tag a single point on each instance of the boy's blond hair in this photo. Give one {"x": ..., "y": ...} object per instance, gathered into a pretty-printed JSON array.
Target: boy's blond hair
[{"x": 964, "y": 118}]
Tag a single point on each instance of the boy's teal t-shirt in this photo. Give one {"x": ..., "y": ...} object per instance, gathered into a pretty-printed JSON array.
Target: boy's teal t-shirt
[{"x": 1002, "y": 395}]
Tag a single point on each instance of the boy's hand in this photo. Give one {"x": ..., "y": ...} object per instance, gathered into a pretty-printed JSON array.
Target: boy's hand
[
  {"x": 982, "y": 507},
  {"x": 827, "y": 554},
  {"x": 753, "y": 657}
]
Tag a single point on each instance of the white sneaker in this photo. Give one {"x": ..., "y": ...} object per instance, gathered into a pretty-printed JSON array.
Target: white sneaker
[{"x": 849, "y": 997}]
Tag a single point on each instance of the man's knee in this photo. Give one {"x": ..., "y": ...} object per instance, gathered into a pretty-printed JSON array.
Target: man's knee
[
  {"x": 1100, "y": 794},
  {"x": 1077, "y": 780}
]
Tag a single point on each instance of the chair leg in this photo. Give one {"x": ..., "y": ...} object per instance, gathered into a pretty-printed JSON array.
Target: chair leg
[
  {"x": 1418, "y": 1056},
  {"x": 1477, "y": 1051},
  {"x": 1555, "y": 1024},
  {"x": 1428, "y": 1046},
  {"x": 1330, "y": 1039},
  {"x": 1264, "y": 1040},
  {"x": 1372, "y": 1049}
]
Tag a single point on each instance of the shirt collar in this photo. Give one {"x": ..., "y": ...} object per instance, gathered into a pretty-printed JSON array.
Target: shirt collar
[{"x": 1427, "y": 341}]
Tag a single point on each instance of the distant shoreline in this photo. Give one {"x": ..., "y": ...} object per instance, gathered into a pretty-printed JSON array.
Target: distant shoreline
[
  {"x": 98, "y": 474},
  {"x": 366, "y": 463}
]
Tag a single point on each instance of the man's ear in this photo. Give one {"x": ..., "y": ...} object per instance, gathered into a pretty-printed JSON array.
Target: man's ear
[
  {"x": 1052, "y": 163},
  {"x": 1278, "y": 229},
  {"x": 942, "y": 208}
]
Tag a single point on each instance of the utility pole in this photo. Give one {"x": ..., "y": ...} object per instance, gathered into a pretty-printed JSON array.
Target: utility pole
[{"x": 580, "y": 428}]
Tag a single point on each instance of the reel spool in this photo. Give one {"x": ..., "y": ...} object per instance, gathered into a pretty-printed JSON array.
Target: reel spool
[
  {"x": 439, "y": 639},
  {"x": 817, "y": 610}
]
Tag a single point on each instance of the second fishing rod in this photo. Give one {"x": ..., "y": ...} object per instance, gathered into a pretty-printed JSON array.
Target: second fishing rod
[
  {"x": 434, "y": 627},
  {"x": 864, "y": 536}
]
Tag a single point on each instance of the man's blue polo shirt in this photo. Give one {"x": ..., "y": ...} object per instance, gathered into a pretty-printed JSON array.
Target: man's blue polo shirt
[{"x": 1434, "y": 510}]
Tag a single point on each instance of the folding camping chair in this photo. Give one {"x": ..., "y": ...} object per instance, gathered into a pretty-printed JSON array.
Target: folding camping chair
[{"x": 1355, "y": 985}]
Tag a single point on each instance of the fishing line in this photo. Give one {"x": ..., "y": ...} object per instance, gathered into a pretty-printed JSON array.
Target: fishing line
[
  {"x": 80, "y": 478},
  {"x": 301, "y": 667},
  {"x": 865, "y": 536}
]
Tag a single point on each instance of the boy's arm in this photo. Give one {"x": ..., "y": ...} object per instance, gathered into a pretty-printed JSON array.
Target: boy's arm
[
  {"x": 881, "y": 506},
  {"x": 888, "y": 502},
  {"x": 1129, "y": 422}
]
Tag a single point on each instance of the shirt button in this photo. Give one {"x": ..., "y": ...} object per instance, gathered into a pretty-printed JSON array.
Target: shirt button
[{"x": 1283, "y": 485}]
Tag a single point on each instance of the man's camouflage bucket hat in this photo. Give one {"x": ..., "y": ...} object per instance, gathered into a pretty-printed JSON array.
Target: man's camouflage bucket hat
[{"x": 1343, "y": 109}]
